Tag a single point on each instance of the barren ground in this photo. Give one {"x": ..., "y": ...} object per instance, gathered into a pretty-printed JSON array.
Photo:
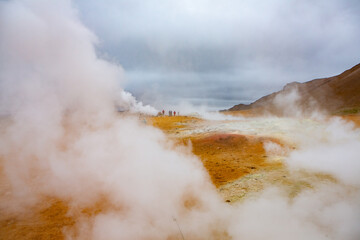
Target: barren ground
[{"x": 235, "y": 160}]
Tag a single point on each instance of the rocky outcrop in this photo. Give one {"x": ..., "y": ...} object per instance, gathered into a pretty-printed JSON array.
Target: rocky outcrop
[{"x": 329, "y": 94}]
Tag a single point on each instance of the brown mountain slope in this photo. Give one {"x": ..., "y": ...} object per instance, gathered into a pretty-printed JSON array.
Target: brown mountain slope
[{"x": 330, "y": 94}]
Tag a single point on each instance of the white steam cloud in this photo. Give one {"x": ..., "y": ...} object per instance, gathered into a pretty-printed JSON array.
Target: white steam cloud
[
  {"x": 338, "y": 145},
  {"x": 64, "y": 138},
  {"x": 61, "y": 137},
  {"x": 48, "y": 59}
]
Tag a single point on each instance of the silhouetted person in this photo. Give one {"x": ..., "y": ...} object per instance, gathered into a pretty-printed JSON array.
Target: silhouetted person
[{"x": 174, "y": 113}]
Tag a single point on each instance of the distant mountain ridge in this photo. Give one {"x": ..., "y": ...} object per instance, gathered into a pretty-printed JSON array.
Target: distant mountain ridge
[{"x": 329, "y": 94}]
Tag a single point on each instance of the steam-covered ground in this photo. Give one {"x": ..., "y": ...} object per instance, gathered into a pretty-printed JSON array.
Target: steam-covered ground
[
  {"x": 298, "y": 173},
  {"x": 255, "y": 151}
]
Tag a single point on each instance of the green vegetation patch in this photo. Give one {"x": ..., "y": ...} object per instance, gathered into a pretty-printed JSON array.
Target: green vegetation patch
[{"x": 349, "y": 111}]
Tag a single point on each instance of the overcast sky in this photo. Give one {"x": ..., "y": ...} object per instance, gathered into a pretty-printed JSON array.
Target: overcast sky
[{"x": 223, "y": 52}]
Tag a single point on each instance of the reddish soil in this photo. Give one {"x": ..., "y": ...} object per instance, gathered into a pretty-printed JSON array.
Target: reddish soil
[
  {"x": 230, "y": 156},
  {"x": 226, "y": 157},
  {"x": 353, "y": 118},
  {"x": 41, "y": 223}
]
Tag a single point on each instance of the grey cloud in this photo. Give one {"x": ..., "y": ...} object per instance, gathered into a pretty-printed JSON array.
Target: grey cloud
[
  {"x": 253, "y": 45},
  {"x": 135, "y": 54}
]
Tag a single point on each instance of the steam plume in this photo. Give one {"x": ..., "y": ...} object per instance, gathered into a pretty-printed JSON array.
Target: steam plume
[{"x": 63, "y": 138}]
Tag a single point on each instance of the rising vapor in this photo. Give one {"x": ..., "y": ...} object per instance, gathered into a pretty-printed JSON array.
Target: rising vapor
[{"x": 62, "y": 138}]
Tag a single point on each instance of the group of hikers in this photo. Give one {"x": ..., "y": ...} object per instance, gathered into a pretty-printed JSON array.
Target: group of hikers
[{"x": 171, "y": 113}]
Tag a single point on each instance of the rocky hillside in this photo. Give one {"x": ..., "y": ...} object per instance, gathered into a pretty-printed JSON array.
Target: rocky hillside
[{"x": 333, "y": 94}]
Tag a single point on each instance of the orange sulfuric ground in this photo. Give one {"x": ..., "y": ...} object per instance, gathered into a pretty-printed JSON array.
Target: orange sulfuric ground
[
  {"x": 171, "y": 124},
  {"x": 226, "y": 157},
  {"x": 42, "y": 222},
  {"x": 230, "y": 156},
  {"x": 353, "y": 118}
]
